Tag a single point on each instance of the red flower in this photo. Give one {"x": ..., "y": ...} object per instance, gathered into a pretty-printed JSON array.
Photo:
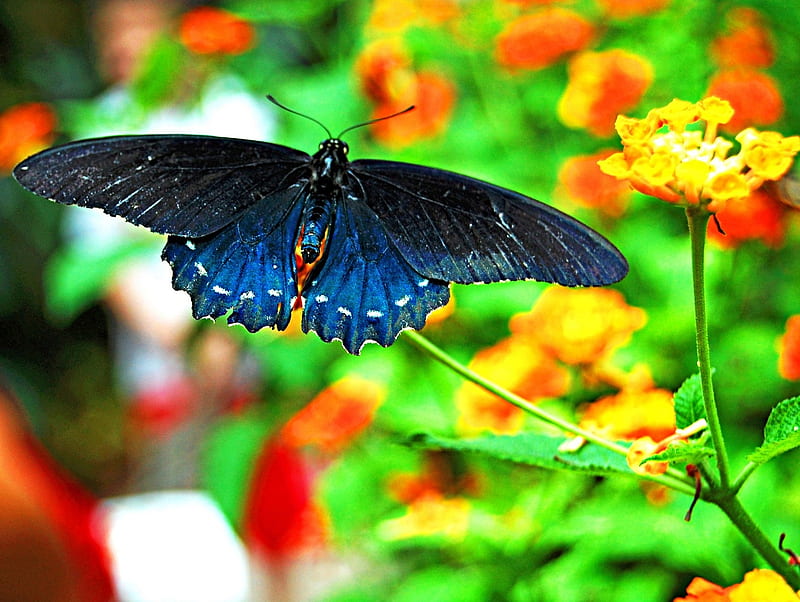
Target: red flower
[
  {"x": 753, "y": 95},
  {"x": 582, "y": 182},
  {"x": 433, "y": 96},
  {"x": 280, "y": 517},
  {"x": 24, "y": 130},
  {"x": 208, "y": 30},
  {"x": 747, "y": 42},
  {"x": 50, "y": 544},
  {"x": 541, "y": 39},
  {"x": 789, "y": 359},
  {"x": 756, "y": 217},
  {"x": 602, "y": 85}
]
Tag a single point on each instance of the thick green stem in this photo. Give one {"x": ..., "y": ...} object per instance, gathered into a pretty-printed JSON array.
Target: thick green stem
[
  {"x": 734, "y": 510},
  {"x": 673, "y": 478},
  {"x": 698, "y": 220}
]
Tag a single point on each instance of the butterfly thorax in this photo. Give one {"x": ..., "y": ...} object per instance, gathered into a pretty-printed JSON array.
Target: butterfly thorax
[{"x": 327, "y": 171}]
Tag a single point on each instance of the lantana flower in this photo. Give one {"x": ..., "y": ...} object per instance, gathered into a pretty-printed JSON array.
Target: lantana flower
[
  {"x": 664, "y": 159},
  {"x": 210, "y": 30},
  {"x": 758, "y": 584},
  {"x": 542, "y": 38},
  {"x": 25, "y": 129}
]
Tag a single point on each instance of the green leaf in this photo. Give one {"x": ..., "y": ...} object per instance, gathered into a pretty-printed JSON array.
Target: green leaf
[
  {"x": 76, "y": 277},
  {"x": 533, "y": 449},
  {"x": 781, "y": 433},
  {"x": 689, "y": 406}
]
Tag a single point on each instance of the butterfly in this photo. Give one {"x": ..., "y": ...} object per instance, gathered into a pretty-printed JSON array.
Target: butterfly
[{"x": 367, "y": 247}]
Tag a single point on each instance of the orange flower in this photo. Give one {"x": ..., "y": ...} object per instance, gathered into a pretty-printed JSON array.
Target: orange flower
[
  {"x": 433, "y": 96},
  {"x": 336, "y": 416},
  {"x": 517, "y": 365},
  {"x": 753, "y": 95},
  {"x": 582, "y": 182},
  {"x": 24, "y": 130},
  {"x": 747, "y": 42},
  {"x": 209, "y": 30},
  {"x": 789, "y": 359},
  {"x": 757, "y": 585},
  {"x": 580, "y": 326},
  {"x": 384, "y": 70},
  {"x": 542, "y": 38},
  {"x": 756, "y": 217},
  {"x": 623, "y": 9},
  {"x": 602, "y": 85},
  {"x": 631, "y": 414}
]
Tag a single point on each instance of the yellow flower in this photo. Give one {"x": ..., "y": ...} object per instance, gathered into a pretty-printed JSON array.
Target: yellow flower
[
  {"x": 678, "y": 114},
  {"x": 692, "y": 167},
  {"x": 430, "y": 515}
]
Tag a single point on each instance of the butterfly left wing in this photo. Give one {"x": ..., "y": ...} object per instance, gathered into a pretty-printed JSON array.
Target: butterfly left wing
[
  {"x": 456, "y": 228},
  {"x": 172, "y": 184},
  {"x": 363, "y": 289}
]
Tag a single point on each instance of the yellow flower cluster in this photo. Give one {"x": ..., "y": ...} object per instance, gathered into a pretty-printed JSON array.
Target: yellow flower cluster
[{"x": 691, "y": 167}]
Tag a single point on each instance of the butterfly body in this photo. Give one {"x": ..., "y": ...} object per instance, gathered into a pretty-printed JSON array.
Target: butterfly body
[{"x": 383, "y": 239}]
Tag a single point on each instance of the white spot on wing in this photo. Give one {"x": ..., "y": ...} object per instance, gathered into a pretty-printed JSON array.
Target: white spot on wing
[
  {"x": 200, "y": 268},
  {"x": 190, "y": 245},
  {"x": 344, "y": 311},
  {"x": 401, "y": 302},
  {"x": 221, "y": 291},
  {"x": 423, "y": 283},
  {"x": 247, "y": 295},
  {"x": 321, "y": 298},
  {"x": 374, "y": 313},
  {"x": 273, "y": 292}
]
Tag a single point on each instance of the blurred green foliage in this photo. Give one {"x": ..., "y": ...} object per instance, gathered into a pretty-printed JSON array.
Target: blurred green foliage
[{"x": 533, "y": 534}]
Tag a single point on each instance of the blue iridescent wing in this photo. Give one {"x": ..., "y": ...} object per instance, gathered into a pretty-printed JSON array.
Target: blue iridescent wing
[
  {"x": 248, "y": 266},
  {"x": 172, "y": 184},
  {"x": 363, "y": 289},
  {"x": 455, "y": 228}
]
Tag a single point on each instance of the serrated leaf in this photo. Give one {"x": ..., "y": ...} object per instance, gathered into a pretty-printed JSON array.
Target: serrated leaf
[
  {"x": 533, "y": 449},
  {"x": 689, "y": 407},
  {"x": 781, "y": 433},
  {"x": 684, "y": 453}
]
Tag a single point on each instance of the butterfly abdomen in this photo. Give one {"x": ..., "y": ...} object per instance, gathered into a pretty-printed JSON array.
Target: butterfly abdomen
[
  {"x": 328, "y": 168},
  {"x": 316, "y": 218}
]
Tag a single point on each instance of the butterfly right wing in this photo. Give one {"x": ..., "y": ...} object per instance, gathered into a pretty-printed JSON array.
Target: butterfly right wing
[{"x": 184, "y": 185}]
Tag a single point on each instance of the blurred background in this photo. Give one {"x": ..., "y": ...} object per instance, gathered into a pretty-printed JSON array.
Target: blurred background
[{"x": 147, "y": 456}]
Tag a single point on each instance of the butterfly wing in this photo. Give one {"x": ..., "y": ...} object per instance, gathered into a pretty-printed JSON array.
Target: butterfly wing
[
  {"x": 247, "y": 267},
  {"x": 455, "y": 228},
  {"x": 363, "y": 289},
  {"x": 175, "y": 184}
]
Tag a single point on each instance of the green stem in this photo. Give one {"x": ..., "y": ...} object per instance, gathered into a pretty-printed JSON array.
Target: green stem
[
  {"x": 698, "y": 220},
  {"x": 673, "y": 478},
  {"x": 734, "y": 510},
  {"x": 749, "y": 469}
]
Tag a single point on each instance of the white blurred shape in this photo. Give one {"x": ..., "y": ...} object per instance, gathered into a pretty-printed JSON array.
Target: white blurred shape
[{"x": 174, "y": 546}]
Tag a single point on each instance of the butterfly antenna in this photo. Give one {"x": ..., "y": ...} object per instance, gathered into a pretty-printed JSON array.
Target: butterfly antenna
[
  {"x": 371, "y": 121},
  {"x": 271, "y": 98}
]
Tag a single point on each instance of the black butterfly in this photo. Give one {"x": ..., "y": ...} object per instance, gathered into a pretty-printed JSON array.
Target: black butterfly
[{"x": 385, "y": 238}]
